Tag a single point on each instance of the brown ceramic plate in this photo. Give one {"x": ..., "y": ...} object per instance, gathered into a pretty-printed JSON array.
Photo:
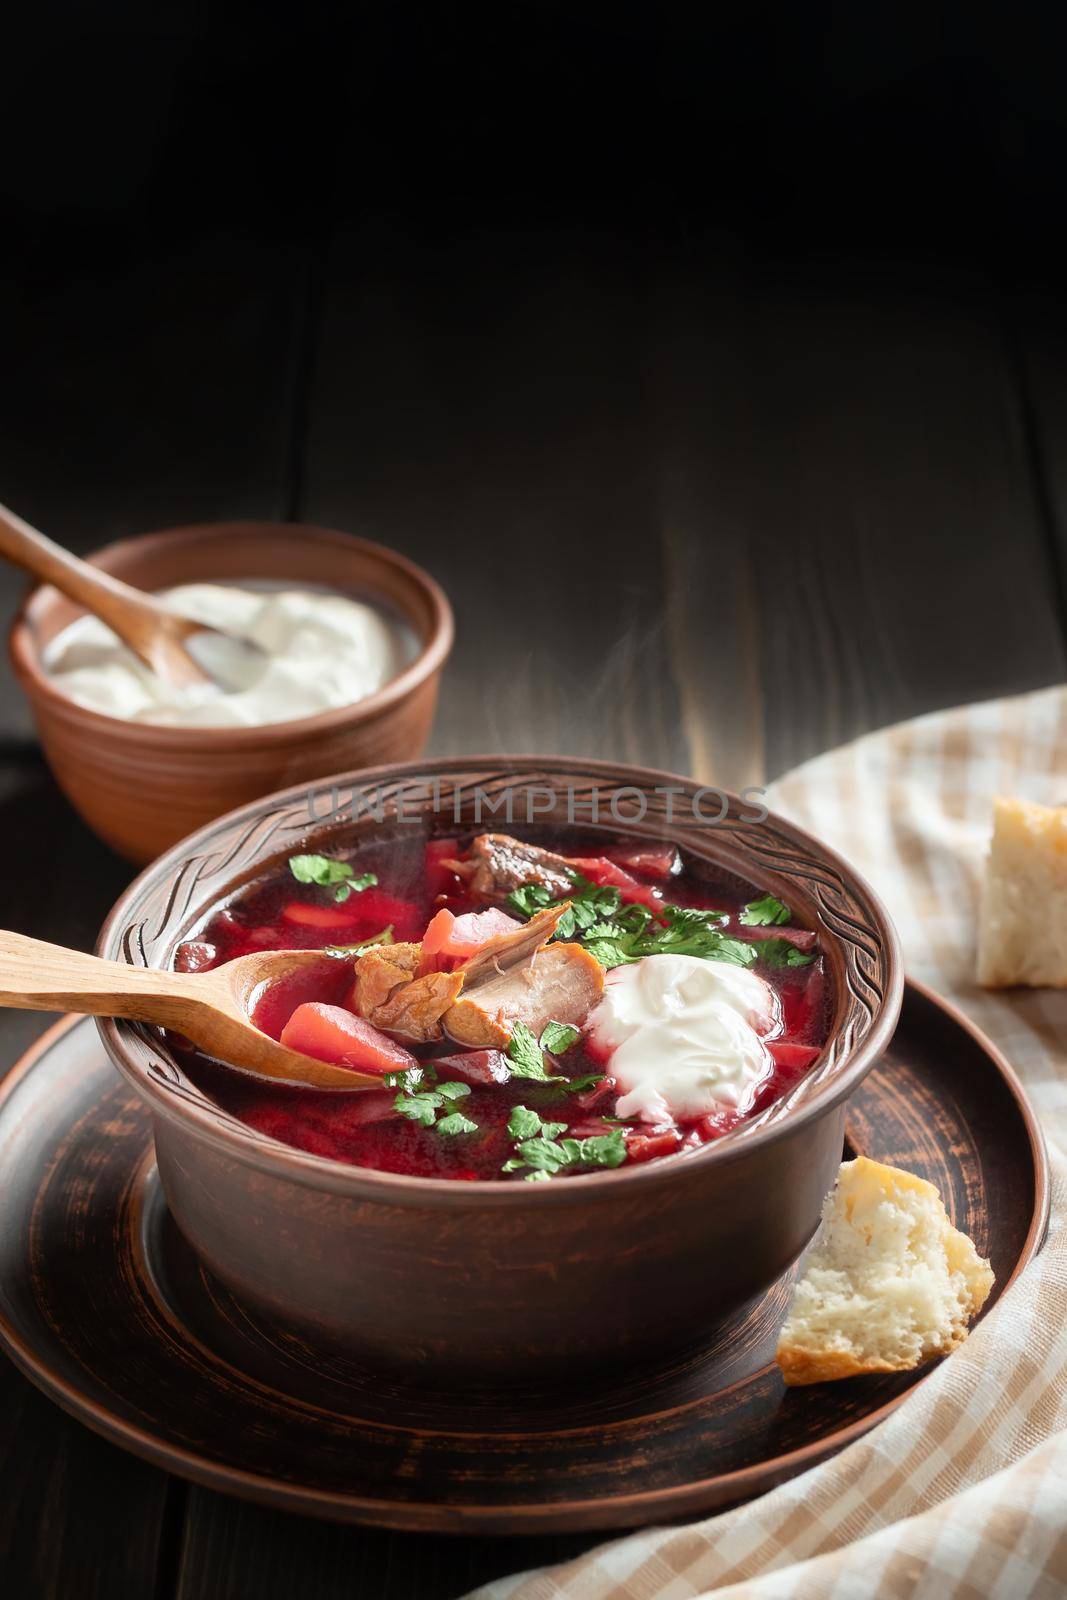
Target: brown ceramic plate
[{"x": 106, "y": 1309}]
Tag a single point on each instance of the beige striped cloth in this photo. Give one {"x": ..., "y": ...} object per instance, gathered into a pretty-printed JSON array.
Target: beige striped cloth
[{"x": 962, "y": 1493}]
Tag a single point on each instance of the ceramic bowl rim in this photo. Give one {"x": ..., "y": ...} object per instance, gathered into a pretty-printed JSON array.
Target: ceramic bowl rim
[
  {"x": 433, "y": 652},
  {"x": 279, "y": 1160}
]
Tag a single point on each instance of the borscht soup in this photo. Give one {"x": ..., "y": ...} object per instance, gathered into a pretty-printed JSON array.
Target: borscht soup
[{"x": 536, "y": 1009}]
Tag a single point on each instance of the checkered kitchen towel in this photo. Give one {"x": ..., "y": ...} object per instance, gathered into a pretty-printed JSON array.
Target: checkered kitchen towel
[{"x": 962, "y": 1493}]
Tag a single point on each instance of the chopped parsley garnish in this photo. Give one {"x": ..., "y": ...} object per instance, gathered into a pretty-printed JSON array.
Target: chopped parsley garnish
[
  {"x": 557, "y": 1038},
  {"x": 530, "y": 898},
  {"x": 541, "y": 1154},
  {"x": 524, "y": 1055},
  {"x": 617, "y": 932},
  {"x": 421, "y": 1108},
  {"x": 329, "y": 873},
  {"x": 526, "y": 1124},
  {"x": 456, "y": 1122},
  {"x": 588, "y": 904},
  {"x": 676, "y": 931},
  {"x": 783, "y": 953},
  {"x": 385, "y": 937},
  {"x": 765, "y": 913},
  {"x": 579, "y": 1085},
  {"x": 526, "y": 1060},
  {"x": 421, "y": 1104}
]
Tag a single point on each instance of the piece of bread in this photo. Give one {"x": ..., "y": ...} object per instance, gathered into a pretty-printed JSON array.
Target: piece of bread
[
  {"x": 1022, "y": 925},
  {"x": 887, "y": 1284}
]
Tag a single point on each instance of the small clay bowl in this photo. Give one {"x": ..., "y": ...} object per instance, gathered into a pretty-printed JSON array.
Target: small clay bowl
[
  {"x": 505, "y": 1280},
  {"x": 140, "y": 787}
]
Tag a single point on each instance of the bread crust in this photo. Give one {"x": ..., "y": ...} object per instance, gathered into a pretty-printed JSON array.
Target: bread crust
[
  {"x": 800, "y": 1366},
  {"x": 860, "y": 1183}
]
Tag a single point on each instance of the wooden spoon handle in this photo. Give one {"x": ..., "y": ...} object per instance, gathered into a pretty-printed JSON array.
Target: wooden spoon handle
[
  {"x": 128, "y": 612},
  {"x": 35, "y": 976}
]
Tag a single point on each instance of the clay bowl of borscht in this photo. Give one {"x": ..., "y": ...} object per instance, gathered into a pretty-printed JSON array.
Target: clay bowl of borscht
[{"x": 616, "y": 1020}]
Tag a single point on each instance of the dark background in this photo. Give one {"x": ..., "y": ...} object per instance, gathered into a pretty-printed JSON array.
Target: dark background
[{"x": 714, "y": 358}]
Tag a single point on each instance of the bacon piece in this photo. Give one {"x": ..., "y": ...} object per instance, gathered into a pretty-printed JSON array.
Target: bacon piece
[
  {"x": 496, "y": 864},
  {"x": 560, "y": 983}
]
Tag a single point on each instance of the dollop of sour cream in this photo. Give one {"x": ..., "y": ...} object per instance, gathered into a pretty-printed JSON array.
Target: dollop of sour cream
[
  {"x": 685, "y": 1036},
  {"x": 321, "y": 651}
]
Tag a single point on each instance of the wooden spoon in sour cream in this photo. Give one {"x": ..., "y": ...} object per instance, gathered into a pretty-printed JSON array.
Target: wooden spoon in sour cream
[{"x": 180, "y": 651}]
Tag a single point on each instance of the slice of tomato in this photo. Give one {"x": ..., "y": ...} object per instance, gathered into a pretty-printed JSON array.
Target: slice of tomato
[{"x": 330, "y": 1033}]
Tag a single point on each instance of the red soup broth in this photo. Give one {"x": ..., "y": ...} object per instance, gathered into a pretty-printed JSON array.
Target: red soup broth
[{"x": 366, "y": 1129}]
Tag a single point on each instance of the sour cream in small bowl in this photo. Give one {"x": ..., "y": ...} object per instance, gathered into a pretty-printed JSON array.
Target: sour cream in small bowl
[
  {"x": 315, "y": 650},
  {"x": 353, "y": 638}
]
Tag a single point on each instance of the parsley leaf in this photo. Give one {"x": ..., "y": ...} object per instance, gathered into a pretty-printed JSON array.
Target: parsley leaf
[
  {"x": 421, "y": 1104},
  {"x": 782, "y": 953},
  {"x": 540, "y": 1150},
  {"x": 557, "y": 1038},
  {"x": 605, "y": 1149},
  {"x": 524, "y": 1055},
  {"x": 329, "y": 873},
  {"x": 526, "y": 1124},
  {"x": 617, "y": 932},
  {"x": 385, "y": 937},
  {"x": 578, "y": 1085},
  {"x": 523, "y": 1124},
  {"x": 526, "y": 1060},
  {"x": 610, "y": 952},
  {"x": 420, "y": 1108},
  {"x": 455, "y": 1123},
  {"x": 543, "y": 1155},
  {"x": 765, "y": 913},
  {"x": 530, "y": 898},
  {"x": 679, "y": 930}
]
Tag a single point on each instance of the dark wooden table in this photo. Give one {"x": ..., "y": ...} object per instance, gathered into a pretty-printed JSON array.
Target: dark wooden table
[{"x": 703, "y": 504}]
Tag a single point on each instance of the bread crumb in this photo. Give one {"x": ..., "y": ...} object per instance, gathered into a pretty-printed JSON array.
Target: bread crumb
[{"x": 887, "y": 1284}]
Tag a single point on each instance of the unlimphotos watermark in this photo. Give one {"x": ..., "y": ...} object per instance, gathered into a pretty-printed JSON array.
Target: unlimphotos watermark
[{"x": 471, "y": 806}]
